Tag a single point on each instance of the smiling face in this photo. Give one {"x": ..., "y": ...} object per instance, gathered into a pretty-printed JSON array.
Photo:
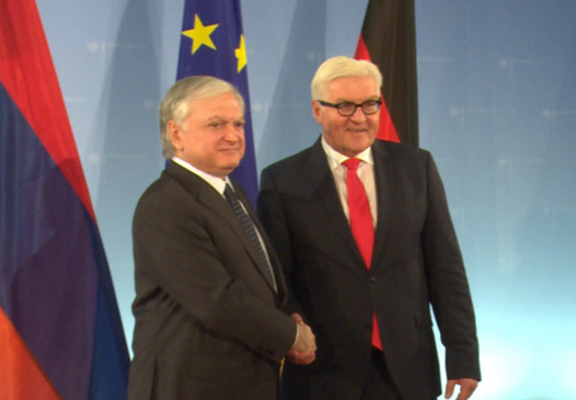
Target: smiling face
[
  {"x": 353, "y": 134},
  {"x": 211, "y": 138}
]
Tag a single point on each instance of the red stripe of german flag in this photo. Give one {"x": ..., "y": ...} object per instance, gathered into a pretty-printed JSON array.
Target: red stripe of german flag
[{"x": 388, "y": 39}]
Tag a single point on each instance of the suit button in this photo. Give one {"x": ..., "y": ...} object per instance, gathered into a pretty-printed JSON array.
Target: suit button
[{"x": 372, "y": 279}]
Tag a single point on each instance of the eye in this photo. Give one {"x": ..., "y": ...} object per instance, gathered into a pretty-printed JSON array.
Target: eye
[
  {"x": 371, "y": 106},
  {"x": 346, "y": 106}
]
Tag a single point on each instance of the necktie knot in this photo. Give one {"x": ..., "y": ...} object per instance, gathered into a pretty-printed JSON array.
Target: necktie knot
[
  {"x": 352, "y": 164},
  {"x": 229, "y": 194}
]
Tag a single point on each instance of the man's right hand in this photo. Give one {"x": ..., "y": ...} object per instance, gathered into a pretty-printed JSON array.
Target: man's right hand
[{"x": 304, "y": 350}]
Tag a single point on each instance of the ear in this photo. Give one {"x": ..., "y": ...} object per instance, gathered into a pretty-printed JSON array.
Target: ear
[
  {"x": 175, "y": 132},
  {"x": 317, "y": 111},
  {"x": 175, "y": 135}
]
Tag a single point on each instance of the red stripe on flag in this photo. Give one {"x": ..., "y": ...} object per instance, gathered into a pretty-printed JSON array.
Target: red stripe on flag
[
  {"x": 28, "y": 74},
  {"x": 21, "y": 378},
  {"x": 386, "y": 130},
  {"x": 361, "y": 50}
]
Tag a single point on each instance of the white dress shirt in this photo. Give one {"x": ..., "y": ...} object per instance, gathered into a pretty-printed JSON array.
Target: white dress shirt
[{"x": 365, "y": 173}]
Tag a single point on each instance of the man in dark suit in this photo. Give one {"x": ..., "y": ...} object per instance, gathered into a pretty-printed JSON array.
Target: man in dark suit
[
  {"x": 367, "y": 292},
  {"x": 209, "y": 288}
]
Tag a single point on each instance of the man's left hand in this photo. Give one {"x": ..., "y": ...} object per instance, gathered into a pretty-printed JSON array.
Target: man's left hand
[{"x": 467, "y": 387}]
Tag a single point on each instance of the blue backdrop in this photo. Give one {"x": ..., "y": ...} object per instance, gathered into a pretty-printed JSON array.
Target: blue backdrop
[{"x": 497, "y": 95}]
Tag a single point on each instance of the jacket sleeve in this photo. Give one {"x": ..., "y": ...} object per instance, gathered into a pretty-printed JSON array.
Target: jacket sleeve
[{"x": 448, "y": 285}]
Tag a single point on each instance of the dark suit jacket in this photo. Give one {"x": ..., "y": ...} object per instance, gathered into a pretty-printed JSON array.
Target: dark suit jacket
[
  {"x": 208, "y": 322},
  {"x": 416, "y": 263}
]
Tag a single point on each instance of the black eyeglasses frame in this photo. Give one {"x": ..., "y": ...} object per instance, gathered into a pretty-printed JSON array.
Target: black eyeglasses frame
[{"x": 338, "y": 106}]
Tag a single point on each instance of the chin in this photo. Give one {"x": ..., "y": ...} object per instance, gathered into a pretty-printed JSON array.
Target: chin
[
  {"x": 230, "y": 166},
  {"x": 359, "y": 147}
]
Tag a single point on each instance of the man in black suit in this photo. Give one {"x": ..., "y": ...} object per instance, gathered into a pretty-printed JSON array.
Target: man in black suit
[
  {"x": 368, "y": 300},
  {"x": 209, "y": 288}
]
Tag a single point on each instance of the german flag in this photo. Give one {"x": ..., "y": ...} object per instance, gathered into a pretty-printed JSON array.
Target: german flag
[{"x": 388, "y": 39}]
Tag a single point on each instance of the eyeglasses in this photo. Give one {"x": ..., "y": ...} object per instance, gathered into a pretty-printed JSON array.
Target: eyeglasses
[{"x": 347, "y": 108}]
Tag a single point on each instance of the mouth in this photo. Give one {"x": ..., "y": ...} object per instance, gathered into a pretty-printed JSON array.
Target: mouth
[
  {"x": 357, "y": 130},
  {"x": 230, "y": 151}
]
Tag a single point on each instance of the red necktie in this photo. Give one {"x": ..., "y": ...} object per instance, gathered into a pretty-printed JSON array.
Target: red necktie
[{"x": 361, "y": 225}]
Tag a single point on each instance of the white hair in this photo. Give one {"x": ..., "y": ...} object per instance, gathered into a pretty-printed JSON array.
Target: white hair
[
  {"x": 342, "y": 67},
  {"x": 178, "y": 101}
]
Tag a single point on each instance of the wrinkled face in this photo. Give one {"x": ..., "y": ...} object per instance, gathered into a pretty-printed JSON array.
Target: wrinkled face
[
  {"x": 353, "y": 134},
  {"x": 211, "y": 138}
]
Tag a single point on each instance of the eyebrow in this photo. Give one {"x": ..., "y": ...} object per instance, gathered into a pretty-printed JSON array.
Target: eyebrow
[
  {"x": 341, "y": 100},
  {"x": 218, "y": 118}
]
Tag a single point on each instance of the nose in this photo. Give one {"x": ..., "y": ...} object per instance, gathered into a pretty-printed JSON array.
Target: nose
[
  {"x": 231, "y": 133},
  {"x": 358, "y": 114}
]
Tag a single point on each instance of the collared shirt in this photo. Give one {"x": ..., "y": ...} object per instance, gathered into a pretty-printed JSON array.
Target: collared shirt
[
  {"x": 365, "y": 173},
  {"x": 217, "y": 183}
]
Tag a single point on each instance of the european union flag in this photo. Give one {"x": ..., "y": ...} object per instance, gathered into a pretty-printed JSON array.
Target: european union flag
[{"x": 213, "y": 44}]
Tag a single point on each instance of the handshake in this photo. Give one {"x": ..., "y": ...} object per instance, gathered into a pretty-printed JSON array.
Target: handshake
[{"x": 304, "y": 350}]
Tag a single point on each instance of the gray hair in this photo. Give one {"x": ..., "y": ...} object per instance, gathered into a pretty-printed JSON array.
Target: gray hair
[
  {"x": 177, "y": 103},
  {"x": 342, "y": 67}
]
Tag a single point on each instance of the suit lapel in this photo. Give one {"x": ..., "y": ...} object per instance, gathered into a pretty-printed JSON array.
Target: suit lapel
[
  {"x": 331, "y": 207},
  {"x": 262, "y": 267},
  {"x": 274, "y": 262},
  {"x": 383, "y": 174},
  {"x": 211, "y": 199}
]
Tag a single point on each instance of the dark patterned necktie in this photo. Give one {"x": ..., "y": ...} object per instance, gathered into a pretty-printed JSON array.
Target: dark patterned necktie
[
  {"x": 361, "y": 225},
  {"x": 236, "y": 205}
]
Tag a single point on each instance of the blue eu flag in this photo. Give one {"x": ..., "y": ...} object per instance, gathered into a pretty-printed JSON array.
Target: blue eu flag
[{"x": 212, "y": 43}]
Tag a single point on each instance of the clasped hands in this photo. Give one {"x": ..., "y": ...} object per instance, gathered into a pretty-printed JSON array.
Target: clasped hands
[{"x": 304, "y": 350}]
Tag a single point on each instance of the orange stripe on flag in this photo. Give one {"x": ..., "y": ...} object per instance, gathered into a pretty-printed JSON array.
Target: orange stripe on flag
[{"x": 21, "y": 378}]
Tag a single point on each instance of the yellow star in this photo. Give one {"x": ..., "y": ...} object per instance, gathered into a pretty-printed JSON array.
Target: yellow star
[
  {"x": 200, "y": 34},
  {"x": 240, "y": 53}
]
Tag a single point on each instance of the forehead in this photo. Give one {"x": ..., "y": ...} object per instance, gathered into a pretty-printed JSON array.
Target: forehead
[
  {"x": 357, "y": 88},
  {"x": 225, "y": 105}
]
